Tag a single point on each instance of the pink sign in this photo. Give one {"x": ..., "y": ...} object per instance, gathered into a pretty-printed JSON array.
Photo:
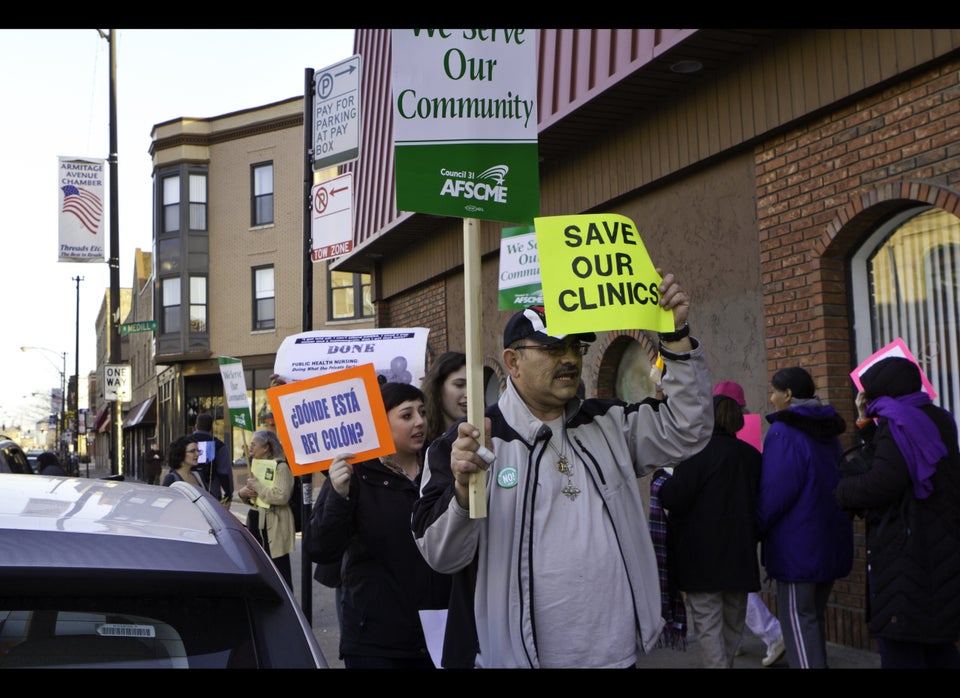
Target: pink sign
[
  {"x": 895, "y": 348},
  {"x": 751, "y": 431}
]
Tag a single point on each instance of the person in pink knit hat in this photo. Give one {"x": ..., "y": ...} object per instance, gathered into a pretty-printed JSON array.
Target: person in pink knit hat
[{"x": 760, "y": 621}]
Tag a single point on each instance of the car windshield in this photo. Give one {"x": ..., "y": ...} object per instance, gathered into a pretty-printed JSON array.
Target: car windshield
[{"x": 164, "y": 632}]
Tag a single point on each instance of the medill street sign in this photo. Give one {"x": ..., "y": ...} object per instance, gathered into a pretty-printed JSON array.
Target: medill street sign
[{"x": 144, "y": 326}]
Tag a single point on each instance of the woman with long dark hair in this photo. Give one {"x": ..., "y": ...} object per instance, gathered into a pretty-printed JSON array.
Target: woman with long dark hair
[
  {"x": 362, "y": 517},
  {"x": 445, "y": 393}
]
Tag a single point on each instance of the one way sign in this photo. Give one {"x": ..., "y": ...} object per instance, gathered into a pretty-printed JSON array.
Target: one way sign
[{"x": 116, "y": 382}]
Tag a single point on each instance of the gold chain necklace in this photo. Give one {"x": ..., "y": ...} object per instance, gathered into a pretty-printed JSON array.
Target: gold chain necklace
[{"x": 565, "y": 467}]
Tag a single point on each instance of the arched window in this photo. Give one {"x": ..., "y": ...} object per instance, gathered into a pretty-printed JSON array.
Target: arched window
[
  {"x": 905, "y": 281},
  {"x": 633, "y": 382}
]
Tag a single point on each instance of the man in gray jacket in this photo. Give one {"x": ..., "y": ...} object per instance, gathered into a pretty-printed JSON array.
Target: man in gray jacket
[{"x": 561, "y": 573}]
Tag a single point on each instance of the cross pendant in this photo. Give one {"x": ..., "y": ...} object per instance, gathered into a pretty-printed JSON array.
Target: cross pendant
[{"x": 570, "y": 490}]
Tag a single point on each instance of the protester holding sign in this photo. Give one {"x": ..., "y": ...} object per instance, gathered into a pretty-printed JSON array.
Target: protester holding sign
[
  {"x": 362, "y": 516},
  {"x": 908, "y": 493},
  {"x": 271, "y": 500},
  {"x": 562, "y": 571}
]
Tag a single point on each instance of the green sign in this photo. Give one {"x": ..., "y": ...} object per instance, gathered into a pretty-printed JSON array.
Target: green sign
[
  {"x": 465, "y": 123},
  {"x": 235, "y": 392},
  {"x": 145, "y": 326}
]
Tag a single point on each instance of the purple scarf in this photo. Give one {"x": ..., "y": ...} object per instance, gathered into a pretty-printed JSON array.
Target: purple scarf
[{"x": 915, "y": 434}]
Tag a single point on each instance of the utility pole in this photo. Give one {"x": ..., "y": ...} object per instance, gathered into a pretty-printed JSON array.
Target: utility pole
[
  {"x": 113, "y": 327},
  {"x": 306, "y": 324},
  {"x": 75, "y": 407}
]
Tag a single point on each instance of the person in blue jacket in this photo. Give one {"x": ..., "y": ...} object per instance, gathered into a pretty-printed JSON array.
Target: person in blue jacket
[{"x": 806, "y": 539}]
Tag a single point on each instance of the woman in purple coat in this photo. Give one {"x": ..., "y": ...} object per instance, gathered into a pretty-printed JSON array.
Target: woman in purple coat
[{"x": 806, "y": 539}]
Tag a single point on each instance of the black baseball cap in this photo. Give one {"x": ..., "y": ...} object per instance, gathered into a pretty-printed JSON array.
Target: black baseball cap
[{"x": 531, "y": 323}]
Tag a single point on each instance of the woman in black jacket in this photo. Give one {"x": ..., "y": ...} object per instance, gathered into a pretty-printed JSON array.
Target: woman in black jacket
[
  {"x": 711, "y": 504},
  {"x": 909, "y": 496},
  {"x": 362, "y": 515}
]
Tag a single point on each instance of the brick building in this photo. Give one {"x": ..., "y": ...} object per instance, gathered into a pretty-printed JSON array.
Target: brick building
[{"x": 801, "y": 183}]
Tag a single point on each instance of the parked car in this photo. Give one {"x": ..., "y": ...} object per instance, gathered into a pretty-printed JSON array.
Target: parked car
[
  {"x": 12, "y": 457},
  {"x": 120, "y": 574}
]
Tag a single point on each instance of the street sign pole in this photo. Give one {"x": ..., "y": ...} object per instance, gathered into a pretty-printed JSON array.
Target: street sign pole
[{"x": 331, "y": 125}]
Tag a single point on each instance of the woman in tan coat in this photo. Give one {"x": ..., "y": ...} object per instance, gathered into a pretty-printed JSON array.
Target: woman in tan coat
[{"x": 275, "y": 525}]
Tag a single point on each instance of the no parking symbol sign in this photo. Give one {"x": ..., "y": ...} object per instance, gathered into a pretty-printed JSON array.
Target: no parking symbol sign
[{"x": 331, "y": 230}]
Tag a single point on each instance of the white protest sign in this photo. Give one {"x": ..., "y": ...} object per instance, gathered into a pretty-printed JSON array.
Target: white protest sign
[{"x": 397, "y": 354}]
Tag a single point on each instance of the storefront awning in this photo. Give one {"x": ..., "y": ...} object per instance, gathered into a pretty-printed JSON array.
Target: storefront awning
[
  {"x": 144, "y": 413},
  {"x": 102, "y": 422}
]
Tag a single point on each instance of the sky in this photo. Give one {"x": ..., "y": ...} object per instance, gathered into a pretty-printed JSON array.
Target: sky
[{"x": 55, "y": 91}]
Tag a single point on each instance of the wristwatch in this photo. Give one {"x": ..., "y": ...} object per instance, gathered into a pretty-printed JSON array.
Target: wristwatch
[{"x": 676, "y": 335}]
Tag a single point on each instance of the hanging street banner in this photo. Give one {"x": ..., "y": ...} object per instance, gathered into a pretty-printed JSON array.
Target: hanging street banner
[
  {"x": 597, "y": 275},
  {"x": 465, "y": 122},
  {"x": 336, "y": 114},
  {"x": 235, "y": 392},
  {"x": 519, "y": 278},
  {"x": 80, "y": 189},
  {"x": 331, "y": 223}
]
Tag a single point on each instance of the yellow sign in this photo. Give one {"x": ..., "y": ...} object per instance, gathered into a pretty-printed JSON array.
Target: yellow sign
[
  {"x": 597, "y": 275},
  {"x": 265, "y": 471}
]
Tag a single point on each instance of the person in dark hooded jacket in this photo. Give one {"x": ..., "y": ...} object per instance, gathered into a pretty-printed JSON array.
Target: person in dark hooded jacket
[
  {"x": 909, "y": 497},
  {"x": 49, "y": 464},
  {"x": 806, "y": 539},
  {"x": 712, "y": 534}
]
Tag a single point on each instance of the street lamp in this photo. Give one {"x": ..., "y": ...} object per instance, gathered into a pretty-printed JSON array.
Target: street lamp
[{"x": 62, "y": 423}]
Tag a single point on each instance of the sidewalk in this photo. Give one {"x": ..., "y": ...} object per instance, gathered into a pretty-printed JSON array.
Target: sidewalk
[
  {"x": 327, "y": 632},
  {"x": 838, "y": 657}
]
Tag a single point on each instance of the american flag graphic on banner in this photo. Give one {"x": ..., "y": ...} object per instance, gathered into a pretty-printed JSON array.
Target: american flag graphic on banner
[{"x": 83, "y": 204}]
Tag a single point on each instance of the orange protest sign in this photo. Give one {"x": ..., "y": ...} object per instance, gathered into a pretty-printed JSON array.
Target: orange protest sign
[{"x": 339, "y": 411}]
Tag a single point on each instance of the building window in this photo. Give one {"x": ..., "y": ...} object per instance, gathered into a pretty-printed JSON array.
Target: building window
[
  {"x": 906, "y": 278},
  {"x": 170, "y": 298},
  {"x": 198, "y": 304},
  {"x": 264, "y": 310},
  {"x": 349, "y": 295},
  {"x": 262, "y": 197},
  {"x": 171, "y": 204},
  {"x": 198, "y": 202}
]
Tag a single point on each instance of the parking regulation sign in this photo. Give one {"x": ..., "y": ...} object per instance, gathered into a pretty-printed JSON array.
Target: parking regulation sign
[
  {"x": 331, "y": 229},
  {"x": 336, "y": 115}
]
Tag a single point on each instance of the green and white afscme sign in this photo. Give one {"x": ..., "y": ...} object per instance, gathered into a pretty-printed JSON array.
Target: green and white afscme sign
[
  {"x": 465, "y": 122},
  {"x": 235, "y": 392}
]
